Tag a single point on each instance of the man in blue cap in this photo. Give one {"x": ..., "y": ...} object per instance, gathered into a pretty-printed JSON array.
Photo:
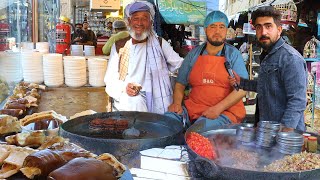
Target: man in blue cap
[
  {"x": 212, "y": 100},
  {"x": 120, "y": 28},
  {"x": 137, "y": 76}
]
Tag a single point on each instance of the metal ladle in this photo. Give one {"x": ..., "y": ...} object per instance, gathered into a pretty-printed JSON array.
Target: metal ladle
[{"x": 131, "y": 132}]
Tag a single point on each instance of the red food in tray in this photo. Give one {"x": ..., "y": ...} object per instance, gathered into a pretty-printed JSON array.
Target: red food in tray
[{"x": 201, "y": 145}]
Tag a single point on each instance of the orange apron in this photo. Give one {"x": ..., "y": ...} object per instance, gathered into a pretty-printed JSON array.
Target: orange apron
[{"x": 210, "y": 85}]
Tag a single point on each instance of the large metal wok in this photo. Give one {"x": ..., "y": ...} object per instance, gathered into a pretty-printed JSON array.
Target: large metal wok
[
  {"x": 159, "y": 131},
  {"x": 208, "y": 169}
]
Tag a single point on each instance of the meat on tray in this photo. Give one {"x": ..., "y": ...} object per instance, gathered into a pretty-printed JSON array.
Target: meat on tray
[{"x": 112, "y": 125}]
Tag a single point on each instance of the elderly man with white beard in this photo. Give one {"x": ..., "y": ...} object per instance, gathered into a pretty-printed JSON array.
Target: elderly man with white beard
[{"x": 137, "y": 77}]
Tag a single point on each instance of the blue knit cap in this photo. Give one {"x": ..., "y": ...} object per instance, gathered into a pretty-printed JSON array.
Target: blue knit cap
[
  {"x": 137, "y": 7},
  {"x": 216, "y": 16}
]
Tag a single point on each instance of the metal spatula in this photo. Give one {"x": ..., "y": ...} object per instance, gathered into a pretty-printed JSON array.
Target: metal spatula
[{"x": 132, "y": 132}]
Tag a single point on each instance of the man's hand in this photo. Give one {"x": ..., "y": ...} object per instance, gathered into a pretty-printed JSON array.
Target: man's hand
[
  {"x": 130, "y": 90},
  {"x": 286, "y": 129},
  {"x": 212, "y": 112},
  {"x": 234, "y": 80},
  {"x": 77, "y": 39},
  {"x": 177, "y": 108}
]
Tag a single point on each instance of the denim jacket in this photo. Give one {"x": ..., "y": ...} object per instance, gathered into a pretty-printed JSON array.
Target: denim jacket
[{"x": 281, "y": 86}]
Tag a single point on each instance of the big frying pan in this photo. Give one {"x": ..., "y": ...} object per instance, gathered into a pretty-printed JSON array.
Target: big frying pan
[
  {"x": 160, "y": 132},
  {"x": 211, "y": 170}
]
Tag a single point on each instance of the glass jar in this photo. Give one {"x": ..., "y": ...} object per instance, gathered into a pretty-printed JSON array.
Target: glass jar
[
  {"x": 305, "y": 141},
  {"x": 312, "y": 144}
]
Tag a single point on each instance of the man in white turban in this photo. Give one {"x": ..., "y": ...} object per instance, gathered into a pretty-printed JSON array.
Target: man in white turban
[{"x": 142, "y": 60}]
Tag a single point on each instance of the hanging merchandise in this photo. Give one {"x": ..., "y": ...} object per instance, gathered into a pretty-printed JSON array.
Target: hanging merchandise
[
  {"x": 288, "y": 10},
  {"x": 318, "y": 23},
  {"x": 4, "y": 31},
  {"x": 311, "y": 48},
  {"x": 63, "y": 36},
  {"x": 239, "y": 33},
  {"x": 231, "y": 34}
]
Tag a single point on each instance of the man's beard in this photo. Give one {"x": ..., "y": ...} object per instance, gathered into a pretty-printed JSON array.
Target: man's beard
[
  {"x": 141, "y": 37},
  {"x": 265, "y": 46},
  {"x": 215, "y": 43}
]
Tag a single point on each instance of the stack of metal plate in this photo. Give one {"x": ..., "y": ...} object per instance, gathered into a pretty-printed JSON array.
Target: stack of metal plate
[
  {"x": 289, "y": 142},
  {"x": 266, "y": 133},
  {"x": 246, "y": 132}
]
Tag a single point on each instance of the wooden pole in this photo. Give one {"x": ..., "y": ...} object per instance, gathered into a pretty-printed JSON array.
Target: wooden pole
[{"x": 250, "y": 62}]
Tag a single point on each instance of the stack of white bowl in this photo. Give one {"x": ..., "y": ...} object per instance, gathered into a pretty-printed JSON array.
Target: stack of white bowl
[
  {"x": 42, "y": 47},
  {"x": 32, "y": 67},
  {"x": 97, "y": 70},
  {"x": 76, "y": 50},
  {"x": 89, "y": 50},
  {"x": 53, "y": 70},
  {"x": 75, "y": 71},
  {"x": 10, "y": 66},
  {"x": 27, "y": 46}
]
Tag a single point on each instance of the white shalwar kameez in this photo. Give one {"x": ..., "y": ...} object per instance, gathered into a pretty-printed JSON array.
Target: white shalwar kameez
[{"x": 136, "y": 74}]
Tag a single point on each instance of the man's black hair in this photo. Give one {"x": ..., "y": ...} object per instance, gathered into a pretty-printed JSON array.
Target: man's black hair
[
  {"x": 79, "y": 24},
  {"x": 267, "y": 11}
]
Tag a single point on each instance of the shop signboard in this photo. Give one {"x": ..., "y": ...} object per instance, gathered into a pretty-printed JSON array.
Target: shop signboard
[
  {"x": 180, "y": 12},
  {"x": 102, "y": 5}
]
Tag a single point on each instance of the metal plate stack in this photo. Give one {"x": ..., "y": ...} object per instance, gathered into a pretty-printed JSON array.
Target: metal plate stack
[
  {"x": 266, "y": 133},
  {"x": 289, "y": 142},
  {"x": 246, "y": 132}
]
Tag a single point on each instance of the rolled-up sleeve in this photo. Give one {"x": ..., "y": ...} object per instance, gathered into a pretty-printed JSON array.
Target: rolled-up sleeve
[
  {"x": 238, "y": 65},
  {"x": 184, "y": 70}
]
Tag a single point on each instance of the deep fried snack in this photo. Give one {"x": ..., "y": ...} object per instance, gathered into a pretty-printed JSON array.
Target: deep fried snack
[
  {"x": 111, "y": 160},
  {"x": 12, "y": 112},
  {"x": 31, "y": 139},
  {"x": 9, "y": 124},
  {"x": 41, "y": 116},
  {"x": 14, "y": 161},
  {"x": 42, "y": 163},
  {"x": 82, "y": 169}
]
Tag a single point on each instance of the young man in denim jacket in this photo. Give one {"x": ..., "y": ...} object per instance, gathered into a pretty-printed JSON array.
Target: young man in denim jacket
[{"x": 282, "y": 81}]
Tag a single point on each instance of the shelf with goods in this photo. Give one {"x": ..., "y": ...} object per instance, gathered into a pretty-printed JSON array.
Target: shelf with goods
[
  {"x": 312, "y": 111},
  {"x": 97, "y": 21}
]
